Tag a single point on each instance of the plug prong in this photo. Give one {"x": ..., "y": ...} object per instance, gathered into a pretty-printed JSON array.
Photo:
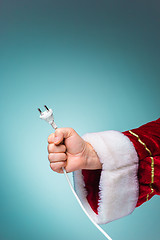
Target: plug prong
[
  {"x": 46, "y": 107},
  {"x": 40, "y": 110}
]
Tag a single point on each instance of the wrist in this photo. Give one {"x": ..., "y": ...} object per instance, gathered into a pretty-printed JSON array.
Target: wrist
[{"x": 92, "y": 159}]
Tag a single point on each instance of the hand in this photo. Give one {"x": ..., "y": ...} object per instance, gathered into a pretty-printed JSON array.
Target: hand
[{"x": 67, "y": 149}]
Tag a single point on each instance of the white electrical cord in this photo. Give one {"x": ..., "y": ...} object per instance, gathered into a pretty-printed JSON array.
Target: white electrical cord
[
  {"x": 48, "y": 116},
  {"x": 97, "y": 226}
]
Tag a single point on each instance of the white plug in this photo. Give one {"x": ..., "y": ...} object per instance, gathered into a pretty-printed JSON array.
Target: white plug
[{"x": 48, "y": 116}]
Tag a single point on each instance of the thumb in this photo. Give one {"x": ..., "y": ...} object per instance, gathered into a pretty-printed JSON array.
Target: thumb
[{"x": 61, "y": 134}]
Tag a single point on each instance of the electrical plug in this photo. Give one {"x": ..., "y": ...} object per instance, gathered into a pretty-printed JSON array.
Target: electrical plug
[{"x": 48, "y": 116}]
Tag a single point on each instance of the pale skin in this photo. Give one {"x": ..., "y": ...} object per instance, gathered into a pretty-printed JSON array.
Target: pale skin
[{"x": 67, "y": 149}]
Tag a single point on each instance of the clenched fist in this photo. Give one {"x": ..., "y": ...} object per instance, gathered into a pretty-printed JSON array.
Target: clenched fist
[{"x": 67, "y": 149}]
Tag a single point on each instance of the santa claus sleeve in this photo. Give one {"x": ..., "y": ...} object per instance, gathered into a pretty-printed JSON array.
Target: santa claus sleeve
[{"x": 130, "y": 172}]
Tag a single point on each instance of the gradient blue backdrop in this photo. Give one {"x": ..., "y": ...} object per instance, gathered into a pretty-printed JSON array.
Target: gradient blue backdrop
[{"x": 96, "y": 63}]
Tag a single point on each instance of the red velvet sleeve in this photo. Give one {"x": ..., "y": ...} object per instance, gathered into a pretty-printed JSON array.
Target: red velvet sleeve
[
  {"x": 146, "y": 140},
  {"x": 92, "y": 178}
]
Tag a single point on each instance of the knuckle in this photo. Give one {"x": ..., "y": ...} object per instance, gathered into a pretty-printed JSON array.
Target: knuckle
[
  {"x": 51, "y": 148},
  {"x": 50, "y": 157},
  {"x": 48, "y": 147},
  {"x": 52, "y": 166},
  {"x": 50, "y": 137},
  {"x": 71, "y": 129}
]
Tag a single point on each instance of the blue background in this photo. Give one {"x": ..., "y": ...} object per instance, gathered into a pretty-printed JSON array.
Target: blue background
[{"x": 96, "y": 63}]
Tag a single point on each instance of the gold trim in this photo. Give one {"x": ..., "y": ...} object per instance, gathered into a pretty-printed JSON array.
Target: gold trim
[{"x": 152, "y": 163}]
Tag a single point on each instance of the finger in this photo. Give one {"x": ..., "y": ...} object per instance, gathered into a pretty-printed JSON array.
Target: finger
[
  {"x": 52, "y": 148},
  {"x": 51, "y": 138},
  {"x": 57, "y": 167},
  {"x": 62, "y": 133},
  {"x": 57, "y": 157}
]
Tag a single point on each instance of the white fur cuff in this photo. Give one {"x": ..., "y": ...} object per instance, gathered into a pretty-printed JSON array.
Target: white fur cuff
[{"x": 118, "y": 182}]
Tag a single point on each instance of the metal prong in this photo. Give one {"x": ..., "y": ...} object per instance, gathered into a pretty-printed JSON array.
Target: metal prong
[
  {"x": 46, "y": 107},
  {"x": 40, "y": 110}
]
